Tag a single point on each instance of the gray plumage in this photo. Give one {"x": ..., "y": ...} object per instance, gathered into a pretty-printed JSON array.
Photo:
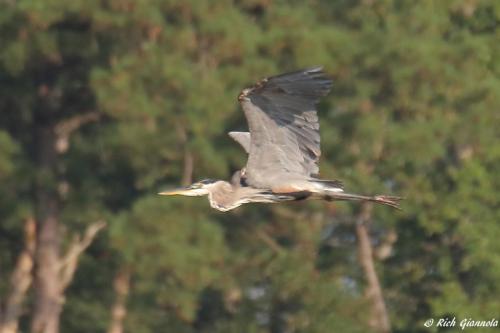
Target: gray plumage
[
  {"x": 283, "y": 147},
  {"x": 243, "y": 138},
  {"x": 282, "y": 117}
]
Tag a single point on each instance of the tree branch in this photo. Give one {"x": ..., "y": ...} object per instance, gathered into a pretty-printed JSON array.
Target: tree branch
[
  {"x": 69, "y": 262},
  {"x": 121, "y": 285},
  {"x": 21, "y": 280},
  {"x": 263, "y": 236},
  {"x": 379, "y": 318},
  {"x": 187, "y": 171},
  {"x": 65, "y": 128}
]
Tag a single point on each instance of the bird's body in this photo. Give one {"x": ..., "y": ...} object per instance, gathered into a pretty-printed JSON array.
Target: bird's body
[{"x": 283, "y": 147}]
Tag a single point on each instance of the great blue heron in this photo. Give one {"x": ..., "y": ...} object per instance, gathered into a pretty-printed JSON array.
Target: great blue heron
[{"x": 283, "y": 147}]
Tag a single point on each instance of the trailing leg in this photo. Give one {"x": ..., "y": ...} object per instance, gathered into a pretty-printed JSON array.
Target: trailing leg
[{"x": 381, "y": 199}]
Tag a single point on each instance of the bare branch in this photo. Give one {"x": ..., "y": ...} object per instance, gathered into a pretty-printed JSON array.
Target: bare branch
[
  {"x": 20, "y": 281},
  {"x": 69, "y": 263},
  {"x": 187, "y": 171},
  {"x": 379, "y": 318},
  {"x": 121, "y": 286},
  {"x": 384, "y": 250},
  {"x": 65, "y": 128},
  {"x": 269, "y": 241}
]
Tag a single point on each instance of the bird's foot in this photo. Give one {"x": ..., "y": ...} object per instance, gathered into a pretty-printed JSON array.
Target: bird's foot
[{"x": 388, "y": 200}]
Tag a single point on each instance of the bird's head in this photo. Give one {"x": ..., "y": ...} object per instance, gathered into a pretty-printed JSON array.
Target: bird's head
[{"x": 194, "y": 190}]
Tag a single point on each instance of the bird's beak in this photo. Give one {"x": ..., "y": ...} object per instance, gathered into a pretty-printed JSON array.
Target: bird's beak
[
  {"x": 177, "y": 191},
  {"x": 187, "y": 191}
]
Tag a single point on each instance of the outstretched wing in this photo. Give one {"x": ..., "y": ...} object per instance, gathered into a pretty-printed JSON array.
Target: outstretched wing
[
  {"x": 243, "y": 138},
  {"x": 283, "y": 122}
]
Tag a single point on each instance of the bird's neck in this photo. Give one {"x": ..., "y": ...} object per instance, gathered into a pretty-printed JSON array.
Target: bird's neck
[{"x": 223, "y": 196}]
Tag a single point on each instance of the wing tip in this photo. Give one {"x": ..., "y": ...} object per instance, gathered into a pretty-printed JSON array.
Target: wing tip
[
  {"x": 244, "y": 93},
  {"x": 312, "y": 70},
  {"x": 315, "y": 73}
]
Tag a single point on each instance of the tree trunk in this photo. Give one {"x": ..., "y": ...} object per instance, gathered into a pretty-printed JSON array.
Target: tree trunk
[
  {"x": 379, "y": 318},
  {"x": 54, "y": 271},
  {"x": 121, "y": 286},
  {"x": 21, "y": 279},
  {"x": 187, "y": 171},
  {"x": 48, "y": 297}
]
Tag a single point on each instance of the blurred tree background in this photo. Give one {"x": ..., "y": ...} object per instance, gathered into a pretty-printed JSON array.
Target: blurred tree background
[{"x": 104, "y": 103}]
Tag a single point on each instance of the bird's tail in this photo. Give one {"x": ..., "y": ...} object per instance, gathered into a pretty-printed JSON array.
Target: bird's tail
[{"x": 381, "y": 199}]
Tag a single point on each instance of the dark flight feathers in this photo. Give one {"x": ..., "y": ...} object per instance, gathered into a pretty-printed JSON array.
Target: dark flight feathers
[{"x": 283, "y": 122}]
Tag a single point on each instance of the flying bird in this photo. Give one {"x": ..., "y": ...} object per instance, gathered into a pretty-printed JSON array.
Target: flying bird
[{"x": 283, "y": 147}]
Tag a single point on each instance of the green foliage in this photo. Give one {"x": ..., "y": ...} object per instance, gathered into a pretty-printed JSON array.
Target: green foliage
[{"x": 413, "y": 111}]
